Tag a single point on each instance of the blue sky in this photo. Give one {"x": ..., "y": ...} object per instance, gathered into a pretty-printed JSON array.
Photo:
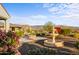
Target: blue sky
[{"x": 40, "y": 13}]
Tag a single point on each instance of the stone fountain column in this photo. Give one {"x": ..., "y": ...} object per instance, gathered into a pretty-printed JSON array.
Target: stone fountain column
[{"x": 53, "y": 36}]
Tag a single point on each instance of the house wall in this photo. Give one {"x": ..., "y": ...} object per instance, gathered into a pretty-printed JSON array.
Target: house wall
[
  {"x": 4, "y": 16},
  {"x": 3, "y": 12}
]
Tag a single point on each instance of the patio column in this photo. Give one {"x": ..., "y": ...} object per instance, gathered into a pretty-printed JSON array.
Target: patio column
[{"x": 6, "y": 25}]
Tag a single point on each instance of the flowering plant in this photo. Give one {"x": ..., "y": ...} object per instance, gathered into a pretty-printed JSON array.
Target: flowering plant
[{"x": 8, "y": 41}]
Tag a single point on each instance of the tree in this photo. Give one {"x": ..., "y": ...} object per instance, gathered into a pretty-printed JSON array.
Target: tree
[{"x": 48, "y": 26}]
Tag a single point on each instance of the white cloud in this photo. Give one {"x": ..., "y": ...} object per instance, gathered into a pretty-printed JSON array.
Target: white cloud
[
  {"x": 38, "y": 17},
  {"x": 47, "y": 5},
  {"x": 66, "y": 14},
  {"x": 74, "y": 5},
  {"x": 33, "y": 19},
  {"x": 70, "y": 13},
  {"x": 64, "y": 10},
  {"x": 62, "y": 6}
]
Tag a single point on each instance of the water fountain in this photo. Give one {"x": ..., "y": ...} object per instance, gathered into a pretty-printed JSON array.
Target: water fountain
[{"x": 53, "y": 42}]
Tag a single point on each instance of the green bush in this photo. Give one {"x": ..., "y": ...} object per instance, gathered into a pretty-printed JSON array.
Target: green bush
[
  {"x": 77, "y": 45},
  {"x": 11, "y": 41},
  {"x": 43, "y": 34},
  {"x": 65, "y": 31},
  {"x": 76, "y": 35},
  {"x": 19, "y": 33},
  {"x": 30, "y": 31}
]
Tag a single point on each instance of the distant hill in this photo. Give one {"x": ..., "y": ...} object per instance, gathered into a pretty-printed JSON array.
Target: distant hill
[
  {"x": 62, "y": 26},
  {"x": 70, "y": 27},
  {"x": 37, "y": 26},
  {"x": 13, "y": 25},
  {"x": 40, "y": 26}
]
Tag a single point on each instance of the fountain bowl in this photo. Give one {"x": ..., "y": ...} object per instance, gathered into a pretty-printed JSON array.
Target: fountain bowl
[{"x": 56, "y": 44}]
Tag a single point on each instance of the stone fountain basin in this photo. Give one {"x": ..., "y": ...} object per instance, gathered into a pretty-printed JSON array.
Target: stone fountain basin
[
  {"x": 59, "y": 44},
  {"x": 56, "y": 44}
]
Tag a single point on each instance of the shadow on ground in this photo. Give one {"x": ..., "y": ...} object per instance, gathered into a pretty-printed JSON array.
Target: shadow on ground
[{"x": 33, "y": 49}]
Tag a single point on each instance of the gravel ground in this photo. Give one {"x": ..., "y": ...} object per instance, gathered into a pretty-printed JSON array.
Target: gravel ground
[
  {"x": 58, "y": 51},
  {"x": 68, "y": 49}
]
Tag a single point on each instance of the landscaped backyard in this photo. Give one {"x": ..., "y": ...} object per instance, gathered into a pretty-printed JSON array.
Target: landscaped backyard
[
  {"x": 38, "y": 47},
  {"x": 36, "y": 42},
  {"x": 46, "y": 39}
]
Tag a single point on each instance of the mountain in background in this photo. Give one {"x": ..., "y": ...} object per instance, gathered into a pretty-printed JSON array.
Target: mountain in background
[{"x": 61, "y": 26}]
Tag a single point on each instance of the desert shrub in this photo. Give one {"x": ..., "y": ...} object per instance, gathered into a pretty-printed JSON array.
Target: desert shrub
[
  {"x": 65, "y": 31},
  {"x": 76, "y": 35},
  {"x": 41, "y": 34},
  {"x": 30, "y": 31},
  {"x": 19, "y": 33},
  {"x": 59, "y": 36},
  {"x": 77, "y": 45}
]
